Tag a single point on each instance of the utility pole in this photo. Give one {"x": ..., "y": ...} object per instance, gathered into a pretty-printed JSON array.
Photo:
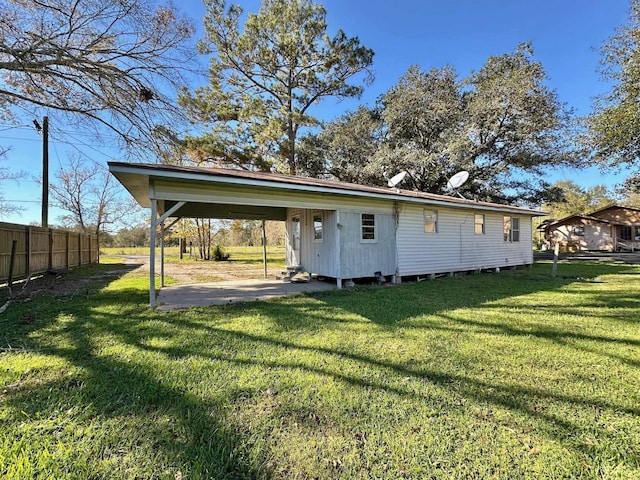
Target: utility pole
[{"x": 45, "y": 172}]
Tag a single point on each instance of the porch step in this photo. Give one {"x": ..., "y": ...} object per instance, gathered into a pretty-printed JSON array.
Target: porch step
[
  {"x": 288, "y": 274},
  {"x": 285, "y": 275}
]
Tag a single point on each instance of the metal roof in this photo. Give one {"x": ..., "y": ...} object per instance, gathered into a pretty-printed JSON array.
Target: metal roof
[{"x": 136, "y": 176}]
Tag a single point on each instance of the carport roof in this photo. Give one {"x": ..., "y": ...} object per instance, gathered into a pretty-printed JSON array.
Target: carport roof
[
  {"x": 136, "y": 179},
  {"x": 571, "y": 218}
]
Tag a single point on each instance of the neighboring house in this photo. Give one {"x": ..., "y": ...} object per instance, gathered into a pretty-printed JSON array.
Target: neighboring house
[
  {"x": 613, "y": 228},
  {"x": 342, "y": 230}
]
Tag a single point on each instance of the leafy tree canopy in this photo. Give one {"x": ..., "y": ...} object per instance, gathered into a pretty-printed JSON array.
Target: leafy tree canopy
[
  {"x": 501, "y": 124},
  {"x": 614, "y": 130},
  {"x": 574, "y": 199},
  {"x": 264, "y": 79}
]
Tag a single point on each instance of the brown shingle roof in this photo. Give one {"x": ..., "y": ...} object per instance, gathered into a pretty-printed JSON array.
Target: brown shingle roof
[{"x": 339, "y": 187}]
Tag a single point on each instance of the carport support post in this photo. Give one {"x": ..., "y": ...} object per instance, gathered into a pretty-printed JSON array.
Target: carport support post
[
  {"x": 152, "y": 254},
  {"x": 152, "y": 240},
  {"x": 162, "y": 255},
  {"x": 264, "y": 248}
]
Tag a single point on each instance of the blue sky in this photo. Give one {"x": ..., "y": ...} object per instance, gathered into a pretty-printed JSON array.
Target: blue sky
[{"x": 566, "y": 36}]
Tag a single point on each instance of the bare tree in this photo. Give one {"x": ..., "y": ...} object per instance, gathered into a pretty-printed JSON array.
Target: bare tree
[
  {"x": 91, "y": 196},
  {"x": 113, "y": 62},
  {"x": 6, "y": 207}
]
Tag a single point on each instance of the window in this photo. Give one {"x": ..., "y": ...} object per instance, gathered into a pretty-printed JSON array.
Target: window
[
  {"x": 479, "y": 224},
  {"x": 515, "y": 229},
  {"x": 317, "y": 227},
  {"x": 629, "y": 232},
  {"x": 430, "y": 221},
  {"x": 578, "y": 231},
  {"x": 511, "y": 229},
  {"x": 368, "y": 227}
]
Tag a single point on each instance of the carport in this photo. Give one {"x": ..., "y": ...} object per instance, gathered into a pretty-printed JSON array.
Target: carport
[
  {"x": 177, "y": 192},
  {"x": 182, "y": 192},
  {"x": 174, "y": 192}
]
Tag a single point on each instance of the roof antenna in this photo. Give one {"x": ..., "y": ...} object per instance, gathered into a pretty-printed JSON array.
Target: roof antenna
[{"x": 457, "y": 181}]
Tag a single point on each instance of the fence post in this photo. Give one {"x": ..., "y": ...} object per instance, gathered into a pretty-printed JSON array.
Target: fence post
[
  {"x": 554, "y": 268},
  {"x": 28, "y": 249},
  {"x": 50, "y": 249},
  {"x": 79, "y": 249},
  {"x": 12, "y": 260},
  {"x": 68, "y": 247}
]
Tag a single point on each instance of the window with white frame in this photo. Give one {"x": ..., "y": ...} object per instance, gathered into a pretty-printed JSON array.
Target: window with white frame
[
  {"x": 511, "y": 229},
  {"x": 430, "y": 221},
  {"x": 317, "y": 227},
  {"x": 479, "y": 224},
  {"x": 368, "y": 227}
]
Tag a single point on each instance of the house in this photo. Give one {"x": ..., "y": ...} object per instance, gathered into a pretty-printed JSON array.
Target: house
[
  {"x": 341, "y": 230},
  {"x": 613, "y": 228}
]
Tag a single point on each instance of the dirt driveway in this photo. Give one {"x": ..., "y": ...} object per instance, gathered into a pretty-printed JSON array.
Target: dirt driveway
[
  {"x": 218, "y": 283},
  {"x": 189, "y": 272}
]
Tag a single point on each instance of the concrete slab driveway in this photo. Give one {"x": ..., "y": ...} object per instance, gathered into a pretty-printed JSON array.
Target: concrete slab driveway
[{"x": 221, "y": 293}]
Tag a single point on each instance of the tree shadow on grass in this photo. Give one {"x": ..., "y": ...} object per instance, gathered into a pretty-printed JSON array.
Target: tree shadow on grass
[
  {"x": 391, "y": 305},
  {"x": 183, "y": 432},
  {"x": 124, "y": 378},
  {"x": 524, "y": 399}
]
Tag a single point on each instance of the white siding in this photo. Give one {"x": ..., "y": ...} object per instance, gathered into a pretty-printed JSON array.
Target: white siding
[
  {"x": 362, "y": 259},
  {"x": 320, "y": 257},
  {"x": 456, "y": 247}
]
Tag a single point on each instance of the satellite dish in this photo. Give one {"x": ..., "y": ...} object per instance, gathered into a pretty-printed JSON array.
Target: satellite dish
[
  {"x": 396, "y": 179},
  {"x": 458, "y": 180}
]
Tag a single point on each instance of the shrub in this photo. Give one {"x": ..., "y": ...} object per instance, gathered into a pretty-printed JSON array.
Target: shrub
[{"x": 219, "y": 255}]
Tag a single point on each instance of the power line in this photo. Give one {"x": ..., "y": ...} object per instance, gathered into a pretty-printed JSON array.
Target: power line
[
  {"x": 5, "y": 127},
  {"x": 21, "y": 139}
]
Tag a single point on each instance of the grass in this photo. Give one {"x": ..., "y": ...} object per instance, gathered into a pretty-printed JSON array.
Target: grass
[{"x": 514, "y": 375}]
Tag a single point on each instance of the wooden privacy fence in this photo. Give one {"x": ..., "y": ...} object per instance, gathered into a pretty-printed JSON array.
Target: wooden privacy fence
[{"x": 38, "y": 250}]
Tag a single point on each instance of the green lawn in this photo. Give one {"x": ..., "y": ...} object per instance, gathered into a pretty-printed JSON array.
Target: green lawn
[{"x": 514, "y": 375}]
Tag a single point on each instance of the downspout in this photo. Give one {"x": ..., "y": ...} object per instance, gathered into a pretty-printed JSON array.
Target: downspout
[
  {"x": 396, "y": 218},
  {"x": 338, "y": 251}
]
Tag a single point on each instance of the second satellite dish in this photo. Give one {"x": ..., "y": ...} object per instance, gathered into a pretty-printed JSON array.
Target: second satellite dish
[
  {"x": 396, "y": 179},
  {"x": 458, "y": 180}
]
